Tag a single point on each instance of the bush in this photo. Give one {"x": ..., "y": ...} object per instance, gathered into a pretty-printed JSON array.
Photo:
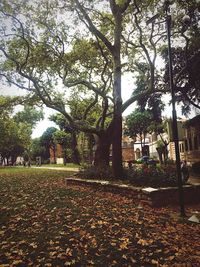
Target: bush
[
  {"x": 141, "y": 175},
  {"x": 196, "y": 167},
  {"x": 170, "y": 162},
  {"x": 46, "y": 161},
  {"x": 92, "y": 172},
  {"x": 147, "y": 175}
]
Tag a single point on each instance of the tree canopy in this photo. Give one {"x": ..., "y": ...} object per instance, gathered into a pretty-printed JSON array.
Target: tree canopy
[
  {"x": 16, "y": 130},
  {"x": 137, "y": 124},
  {"x": 43, "y": 54}
]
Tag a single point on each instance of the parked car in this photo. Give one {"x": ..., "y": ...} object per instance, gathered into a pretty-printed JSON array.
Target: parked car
[{"x": 147, "y": 159}]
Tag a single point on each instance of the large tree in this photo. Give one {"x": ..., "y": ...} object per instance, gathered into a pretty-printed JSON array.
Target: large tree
[
  {"x": 149, "y": 29},
  {"x": 45, "y": 57},
  {"x": 38, "y": 54}
]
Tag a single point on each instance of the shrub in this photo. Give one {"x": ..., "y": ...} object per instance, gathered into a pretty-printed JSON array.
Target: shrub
[
  {"x": 147, "y": 175},
  {"x": 93, "y": 172},
  {"x": 46, "y": 161},
  {"x": 140, "y": 175},
  {"x": 196, "y": 167},
  {"x": 170, "y": 162}
]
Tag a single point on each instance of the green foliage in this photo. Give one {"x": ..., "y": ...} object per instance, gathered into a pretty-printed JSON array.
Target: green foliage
[
  {"x": 47, "y": 140},
  {"x": 47, "y": 137},
  {"x": 29, "y": 115},
  {"x": 151, "y": 176},
  {"x": 15, "y": 131},
  {"x": 137, "y": 123},
  {"x": 15, "y": 138},
  {"x": 61, "y": 121},
  {"x": 62, "y": 138},
  {"x": 37, "y": 149},
  {"x": 96, "y": 173},
  {"x": 5, "y": 106}
]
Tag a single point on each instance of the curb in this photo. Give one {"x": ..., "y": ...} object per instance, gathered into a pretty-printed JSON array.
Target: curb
[{"x": 155, "y": 197}]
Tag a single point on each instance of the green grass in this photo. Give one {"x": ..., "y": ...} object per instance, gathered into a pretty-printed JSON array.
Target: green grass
[{"x": 43, "y": 222}]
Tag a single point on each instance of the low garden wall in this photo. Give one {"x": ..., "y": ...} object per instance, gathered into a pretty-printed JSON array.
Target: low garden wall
[{"x": 155, "y": 197}]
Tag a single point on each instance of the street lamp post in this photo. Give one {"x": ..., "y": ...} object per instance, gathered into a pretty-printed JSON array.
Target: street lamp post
[{"x": 174, "y": 116}]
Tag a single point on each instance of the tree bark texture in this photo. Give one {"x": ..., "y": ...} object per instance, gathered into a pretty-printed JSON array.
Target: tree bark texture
[
  {"x": 75, "y": 152},
  {"x": 102, "y": 152},
  {"x": 117, "y": 134}
]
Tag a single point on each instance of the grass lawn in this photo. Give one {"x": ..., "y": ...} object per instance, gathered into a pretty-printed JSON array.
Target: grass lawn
[{"x": 43, "y": 222}]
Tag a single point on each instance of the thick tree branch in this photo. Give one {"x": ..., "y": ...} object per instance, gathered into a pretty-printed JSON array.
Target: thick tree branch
[{"x": 92, "y": 27}]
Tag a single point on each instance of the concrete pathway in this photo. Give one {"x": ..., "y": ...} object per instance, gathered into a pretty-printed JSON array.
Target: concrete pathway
[
  {"x": 74, "y": 169},
  {"x": 194, "y": 180}
]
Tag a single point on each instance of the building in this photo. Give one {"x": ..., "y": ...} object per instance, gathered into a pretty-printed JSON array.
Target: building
[
  {"x": 190, "y": 145},
  {"x": 128, "y": 149}
]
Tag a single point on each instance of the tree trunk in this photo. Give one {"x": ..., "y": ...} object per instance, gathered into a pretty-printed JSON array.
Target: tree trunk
[
  {"x": 13, "y": 160},
  {"x": 117, "y": 134},
  {"x": 75, "y": 152},
  {"x": 64, "y": 155},
  {"x": 54, "y": 153},
  {"x": 141, "y": 145},
  {"x": 102, "y": 152},
  {"x": 160, "y": 154},
  {"x": 165, "y": 153}
]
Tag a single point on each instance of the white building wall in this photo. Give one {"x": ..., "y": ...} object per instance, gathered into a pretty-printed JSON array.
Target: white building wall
[{"x": 59, "y": 160}]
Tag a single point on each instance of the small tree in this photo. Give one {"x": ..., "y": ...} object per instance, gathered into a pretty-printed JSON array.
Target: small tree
[
  {"x": 65, "y": 127},
  {"x": 37, "y": 149},
  {"x": 64, "y": 139},
  {"x": 159, "y": 128},
  {"x": 48, "y": 141},
  {"x": 137, "y": 124}
]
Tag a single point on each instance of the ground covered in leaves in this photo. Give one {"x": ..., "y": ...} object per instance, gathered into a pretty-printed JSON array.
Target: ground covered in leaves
[{"x": 43, "y": 222}]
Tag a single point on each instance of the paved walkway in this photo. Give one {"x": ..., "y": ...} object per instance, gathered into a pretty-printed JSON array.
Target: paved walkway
[
  {"x": 74, "y": 169},
  {"x": 194, "y": 180}
]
